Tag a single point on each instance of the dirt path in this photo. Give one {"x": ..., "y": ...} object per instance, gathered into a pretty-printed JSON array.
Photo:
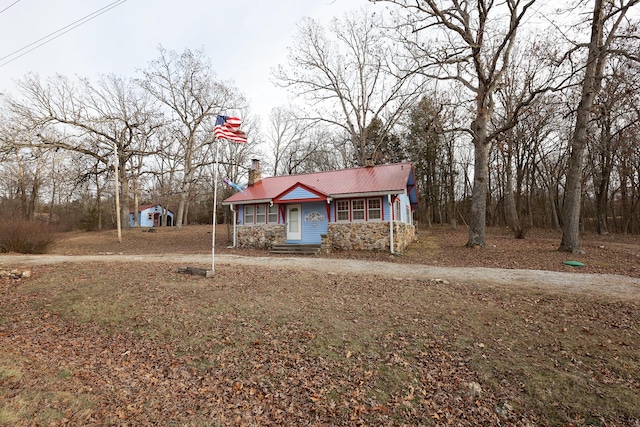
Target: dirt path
[{"x": 595, "y": 284}]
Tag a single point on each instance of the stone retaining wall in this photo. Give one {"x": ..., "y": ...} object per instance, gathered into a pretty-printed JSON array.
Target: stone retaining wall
[
  {"x": 260, "y": 236},
  {"x": 365, "y": 236},
  {"x": 368, "y": 236}
]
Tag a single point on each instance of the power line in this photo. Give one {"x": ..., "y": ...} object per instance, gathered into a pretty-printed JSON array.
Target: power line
[
  {"x": 54, "y": 35},
  {"x": 17, "y": 1}
]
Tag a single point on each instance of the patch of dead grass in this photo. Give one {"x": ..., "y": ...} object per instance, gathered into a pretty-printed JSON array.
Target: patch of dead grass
[
  {"x": 143, "y": 344},
  {"x": 437, "y": 245}
]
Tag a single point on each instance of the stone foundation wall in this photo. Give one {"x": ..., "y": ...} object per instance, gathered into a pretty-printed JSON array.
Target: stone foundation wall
[
  {"x": 368, "y": 236},
  {"x": 260, "y": 236},
  {"x": 365, "y": 236},
  {"x": 403, "y": 234}
]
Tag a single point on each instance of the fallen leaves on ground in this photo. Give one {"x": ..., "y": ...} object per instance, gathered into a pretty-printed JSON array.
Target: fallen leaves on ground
[
  {"x": 134, "y": 344},
  {"x": 232, "y": 365}
]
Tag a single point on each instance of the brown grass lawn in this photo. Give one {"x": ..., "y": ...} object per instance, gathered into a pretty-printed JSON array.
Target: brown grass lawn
[
  {"x": 614, "y": 254},
  {"x": 134, "y": 344}
]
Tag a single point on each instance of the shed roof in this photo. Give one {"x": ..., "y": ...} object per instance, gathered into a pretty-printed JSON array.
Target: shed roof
[
  {"x": 393, "y": 178},
  {"x": 143, "y": 208}
]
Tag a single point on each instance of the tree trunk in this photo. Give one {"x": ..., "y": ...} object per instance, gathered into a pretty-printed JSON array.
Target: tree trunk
[
  {"x": 451, "y": 187},
  {"x": 185, "y": 218},
  {"x": 33, "y": 199},
  {"x": 163, "y": 216},
  {"x": 53, "y": 188},
  {"x": 571, "y": 207},
  {"x": 22, "y": 191},
  {"x": 513, "y": 220},
  {"x": 124, "y": 195},
  {"x": 591, "y": 85},
  {"x": 136, "y": 203},
  {"x": 601, "y": 204},
  {"x": 187, "y": 179},
  {"x": 477, "y": 222},
  {"x": 99, "y": 208},
  {"x": 604, "y": 180},
  {"x": 553, "y": 210}
]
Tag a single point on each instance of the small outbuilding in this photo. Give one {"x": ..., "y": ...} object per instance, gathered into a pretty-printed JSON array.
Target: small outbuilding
[{"x": 151, "y": 216}]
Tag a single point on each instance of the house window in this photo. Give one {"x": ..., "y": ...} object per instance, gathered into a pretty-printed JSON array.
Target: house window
[
  {"x": 342, "y": 210},
  {"x": 397, "y": 212},
  {"x": 357, "y": 209},
  {"x": 273, "y": 214},
  {"x": 375, "y": 209},
  {"x": 248, "y": 214},
  {"x": 261, "y": 214}
]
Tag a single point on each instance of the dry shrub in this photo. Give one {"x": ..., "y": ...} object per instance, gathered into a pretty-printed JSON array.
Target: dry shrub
[
  {"x": 26, "y": 237},
  {"x": 520, "y": 232}
]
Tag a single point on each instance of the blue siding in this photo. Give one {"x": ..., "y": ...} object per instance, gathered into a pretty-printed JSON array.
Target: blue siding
[
  {"x": 314, "y": 222},
  {"x": 404, "y": 202},
  {"x": 387, "y": 208},
  {"x": 240, "y": 214},
  {"x": 299, "y": 193}
]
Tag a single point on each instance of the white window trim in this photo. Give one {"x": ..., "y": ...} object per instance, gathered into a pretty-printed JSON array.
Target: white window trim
[
  {"x": 264, "y": 214},
  {"x": 245, "y": 212},
  {"x": 269, "y": 214},
  {"x": 366, "y": 210},
  {"x": 348, "y": 211},
  {"x": 363, "y": 210},
  {"x": 379, "y": 209}
]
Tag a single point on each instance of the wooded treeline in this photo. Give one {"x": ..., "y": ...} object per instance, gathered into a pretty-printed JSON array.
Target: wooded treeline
[{"x": 513, "y": 114}]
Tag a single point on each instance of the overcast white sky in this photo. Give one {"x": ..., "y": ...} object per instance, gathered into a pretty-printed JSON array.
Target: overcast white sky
[{"x": 243, "y": 38}]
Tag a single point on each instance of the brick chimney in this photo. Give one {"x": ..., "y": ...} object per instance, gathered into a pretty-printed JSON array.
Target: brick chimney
[{"x": 255, "y": 176}]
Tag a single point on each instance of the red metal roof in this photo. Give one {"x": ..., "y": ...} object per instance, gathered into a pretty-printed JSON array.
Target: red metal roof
[{"x": 380, "y": 179}]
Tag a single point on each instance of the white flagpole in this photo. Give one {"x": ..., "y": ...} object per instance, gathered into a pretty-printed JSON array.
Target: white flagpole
[{"x": 215, "y": 201}]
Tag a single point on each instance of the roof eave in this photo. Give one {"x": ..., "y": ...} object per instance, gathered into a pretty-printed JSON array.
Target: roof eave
[
  {"x": 247, "y": 202},
  {"x": 365, "y": 194}
]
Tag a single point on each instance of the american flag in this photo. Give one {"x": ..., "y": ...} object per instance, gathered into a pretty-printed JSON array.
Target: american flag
[{"x": 229, "y": 128}]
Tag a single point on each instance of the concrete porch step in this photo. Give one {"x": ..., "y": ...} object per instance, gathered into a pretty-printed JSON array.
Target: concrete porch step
[{"x": 304, "y": 249}]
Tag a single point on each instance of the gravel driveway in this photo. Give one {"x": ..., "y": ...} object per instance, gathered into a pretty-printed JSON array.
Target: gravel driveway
[{"x": 596, "y": 284}]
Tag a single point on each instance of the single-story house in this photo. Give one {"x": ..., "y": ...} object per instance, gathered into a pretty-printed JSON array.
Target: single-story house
[
  {"x": 151, "y": 216},
  {"x": 367, "y": 208}
]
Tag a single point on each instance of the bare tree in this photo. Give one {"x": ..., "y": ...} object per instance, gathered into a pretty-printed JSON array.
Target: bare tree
[
  {"x": 36, "y": 181},
  {"x": 614, "y": 118},
  {"x": 471, "y": 44},
  {"x": 186, "y": 86},
  {"x": 295, "y": 143},
  {"x": 163, "y": 169},
  {"x": 518, "y": 142},
  {"x": 350, "y": 78},
  {"x": 606, "y": 22},
  {"x": 285, "y": 136},
  {"x": 426, "y": 146},
  {"x": 22, "y": 176},
  {"x": 628, "y": 170},
  {"x": 100, "y": 121}
]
